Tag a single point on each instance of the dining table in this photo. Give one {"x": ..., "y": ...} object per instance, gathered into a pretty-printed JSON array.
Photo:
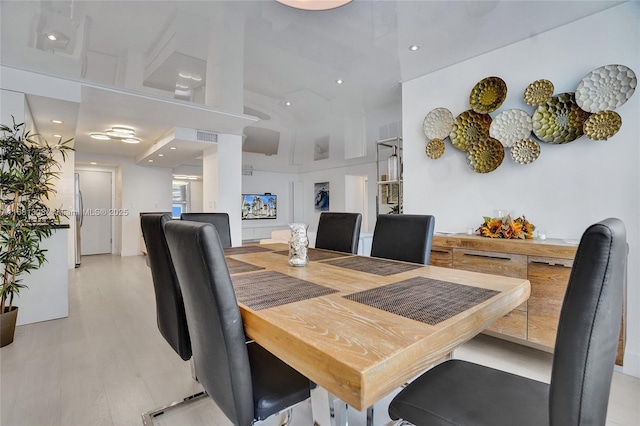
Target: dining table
[{"x": 360, "y": 327}]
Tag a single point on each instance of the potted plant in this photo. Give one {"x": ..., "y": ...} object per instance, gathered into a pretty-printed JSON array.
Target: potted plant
[{"x": 28, "y": 169}]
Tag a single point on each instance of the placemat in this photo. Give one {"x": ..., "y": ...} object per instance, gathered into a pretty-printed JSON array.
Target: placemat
[
  {"x": 236, "y": 266},
  {"x": 423, "y": 299},
  {"x": 268, "y": 289},
  {"x": 244, "y": 250},
  {"x": 374, "y": 265},
  {"x": 316, "y": 255}
]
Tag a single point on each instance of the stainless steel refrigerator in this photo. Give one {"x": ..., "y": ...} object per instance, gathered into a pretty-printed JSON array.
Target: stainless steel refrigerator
[{"x": 78, "y": 212}]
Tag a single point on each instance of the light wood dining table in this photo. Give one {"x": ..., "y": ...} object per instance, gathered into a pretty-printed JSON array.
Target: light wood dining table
[{"x": 360, "y": 327}]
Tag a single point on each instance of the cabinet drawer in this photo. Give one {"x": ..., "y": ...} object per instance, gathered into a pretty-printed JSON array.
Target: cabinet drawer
[
  {"x": 549, "y": 279},
  {"x": 441, "y": 256},
  {"x": 513, "y": 324},
  {"x": 506, "y": 264}
]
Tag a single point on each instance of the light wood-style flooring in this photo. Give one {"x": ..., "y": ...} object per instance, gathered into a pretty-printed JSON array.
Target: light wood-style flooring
[{"x": 107, "y": 363}]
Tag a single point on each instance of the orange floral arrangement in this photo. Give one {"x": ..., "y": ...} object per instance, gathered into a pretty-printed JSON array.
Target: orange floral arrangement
[{"x": 506, "y": 227}]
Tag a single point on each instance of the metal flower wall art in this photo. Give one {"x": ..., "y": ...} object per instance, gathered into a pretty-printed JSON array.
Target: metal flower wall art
[{"x": 560, "y": 119}]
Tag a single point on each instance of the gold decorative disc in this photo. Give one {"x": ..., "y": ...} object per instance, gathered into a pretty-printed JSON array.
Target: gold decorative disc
[
  {"x": 559, "y": 120},
  {"x": 435, "y": 148},
  {"x": 485, "y": 155},
  {"x": 525, "y": 151},
  {"x": 468, "y": 128},
  {"x": 488, "y": 94},
  {"x": 602, "y": 125},
  {"x": 538, "y": 92}
]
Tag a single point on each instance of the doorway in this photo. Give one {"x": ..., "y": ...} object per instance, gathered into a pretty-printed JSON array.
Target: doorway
[
  {"x": 356, "y": 197},
  {"x": 96, "y": 188}
]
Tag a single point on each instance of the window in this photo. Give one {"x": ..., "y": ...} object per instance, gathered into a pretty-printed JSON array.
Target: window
[{"x": 181, "y": 199}]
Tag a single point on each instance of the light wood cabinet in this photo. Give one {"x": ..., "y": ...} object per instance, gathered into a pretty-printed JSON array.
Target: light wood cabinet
[{"x": 546, "y": 264}]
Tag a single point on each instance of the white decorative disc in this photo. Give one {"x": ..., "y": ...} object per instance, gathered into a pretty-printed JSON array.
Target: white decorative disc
[
  {"x": 606, "y": 88},
  {"x": 438, "y": 123},
  {"x": 511, "y": 126}
]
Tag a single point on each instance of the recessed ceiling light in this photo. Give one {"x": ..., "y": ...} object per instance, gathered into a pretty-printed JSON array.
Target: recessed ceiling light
[
  {"x": 52, "y": 37},
  {"x": 56, "y": 121},
  {"x": 100, "y": 136},
  {"x": 339, "y": 81},
  {"x": 160, "y": 155},
  {"x": 55, "y": 135},
  {"x": 414, "y": 47},
  {"x": 173, "y": 147},
  {"x": 151, "y": 161},
  {"x": 93, "y": 162},
  {"x": 287, "y": 103},
  {"x": 314, "y": 4}
]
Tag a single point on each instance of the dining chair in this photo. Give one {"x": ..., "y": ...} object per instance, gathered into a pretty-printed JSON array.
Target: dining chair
[
  {"x": 170, "y": 313},
  {"x": 246, "y": 381},
  {"x": 405, "y": 237},
  {"x": 219, "y": 220},
  {"x": 339, "y": 231},
  {"x": 463, "y": 393}
]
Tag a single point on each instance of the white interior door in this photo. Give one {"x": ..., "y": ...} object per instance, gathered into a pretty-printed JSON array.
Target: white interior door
[{"x": 95, "y": 186}]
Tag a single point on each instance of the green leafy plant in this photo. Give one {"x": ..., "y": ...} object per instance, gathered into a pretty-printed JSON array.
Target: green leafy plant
[{"x": 28, "y": 169}]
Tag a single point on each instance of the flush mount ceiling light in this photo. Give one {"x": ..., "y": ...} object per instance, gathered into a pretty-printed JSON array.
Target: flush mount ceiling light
[
  {"x": 339, "y": 81},
  {"x": 56, "y": 121},
  {"x": 314, "y": 4},
  {"x": 414, "y": 47},
  {"x": 122, "y": 133}
]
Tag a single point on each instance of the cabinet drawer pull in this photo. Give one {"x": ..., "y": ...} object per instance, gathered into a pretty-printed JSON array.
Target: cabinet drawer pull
[
  {"x": 439, "y": 251},
  {"x": 549, "y": 263},
  {"x": 486, "y": 256}
]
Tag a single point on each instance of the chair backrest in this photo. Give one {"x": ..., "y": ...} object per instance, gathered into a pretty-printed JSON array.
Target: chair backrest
[
  {"x": 589, "y": 326},
  {"x": 339, "y": 231},
  {"x": 170, "y": 314},
  {"x": 219, "y": 220},
  {"x": 217, "y": 335},
  {"x": 404, "y": 237}
]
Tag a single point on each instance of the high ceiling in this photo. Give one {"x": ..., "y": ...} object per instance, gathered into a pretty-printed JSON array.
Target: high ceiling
[{"x": 158, "y": 66}]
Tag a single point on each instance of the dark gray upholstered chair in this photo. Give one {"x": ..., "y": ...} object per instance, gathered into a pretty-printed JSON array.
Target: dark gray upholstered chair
[
  {"x": 405, "y": 237},
  {"x": 463, "y": 393},
  {"x": 219, "y": 220},
  {"x": 339, "y": 231},
  {"x": 170, "y": 313},
  {"x": 246, "y": 381}
]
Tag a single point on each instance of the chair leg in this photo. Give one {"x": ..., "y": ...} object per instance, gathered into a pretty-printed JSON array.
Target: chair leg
[
  {"x": 370, "y": 416},
  {"x": 147, "y": 418},
  {"x": 192, "y": 364}
]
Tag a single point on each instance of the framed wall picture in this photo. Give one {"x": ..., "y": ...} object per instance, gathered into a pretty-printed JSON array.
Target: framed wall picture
[{"x": 321, "y": 196}]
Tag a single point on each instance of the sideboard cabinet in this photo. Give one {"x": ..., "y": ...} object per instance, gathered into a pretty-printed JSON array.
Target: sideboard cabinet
[{"x": 546, "y": 264}]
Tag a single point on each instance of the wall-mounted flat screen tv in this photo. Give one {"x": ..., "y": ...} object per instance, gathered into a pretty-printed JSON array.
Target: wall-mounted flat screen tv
[{"x": 259, "y": 206}]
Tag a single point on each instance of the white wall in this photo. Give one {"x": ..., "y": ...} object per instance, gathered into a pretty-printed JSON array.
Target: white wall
[
  {"x": 138, "y": 189},
  {"x": 279, "y": 184},
  {"x": 570, "y": 186},
  {"x": 337, "y": 195}
]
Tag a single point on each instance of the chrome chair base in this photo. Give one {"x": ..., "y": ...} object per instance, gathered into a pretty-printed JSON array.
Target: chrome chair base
[{"x": 147, "y": 418}]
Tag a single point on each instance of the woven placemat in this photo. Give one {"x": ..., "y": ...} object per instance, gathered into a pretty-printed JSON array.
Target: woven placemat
[
  {"x": 268, "y": 289},
  {"x": 374, "y": 265},
  {"x": 244, "y": 250},
  {"x": 316, "y": 255},
  {"x": 236, "y": 266},
  {"x": 423, "y": 299}
]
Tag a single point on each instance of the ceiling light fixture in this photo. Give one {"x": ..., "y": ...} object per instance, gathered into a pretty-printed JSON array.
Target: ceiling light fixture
[
  {"x": 160, "y": 155},
  {"x": 173, "y": 147},
  {"x": 287, "y": 103},
  {"x": 122, "y": 133},
  {"x": 314, "y": 4},
  {"x": 414, "y": 47},
  {"x": 151, "y": 161},
  {"x": 93, "y": 163},
  {"x": 182, "y": 86},
  {"x": 57, "y": 121},
  {"x": 52, "y": 37},
  {"x": 196, "y": 77},
  {"x": 184, "y": 74},
  {"x": 339, "y": 81},
  {"x": 55, "y": 135}
]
